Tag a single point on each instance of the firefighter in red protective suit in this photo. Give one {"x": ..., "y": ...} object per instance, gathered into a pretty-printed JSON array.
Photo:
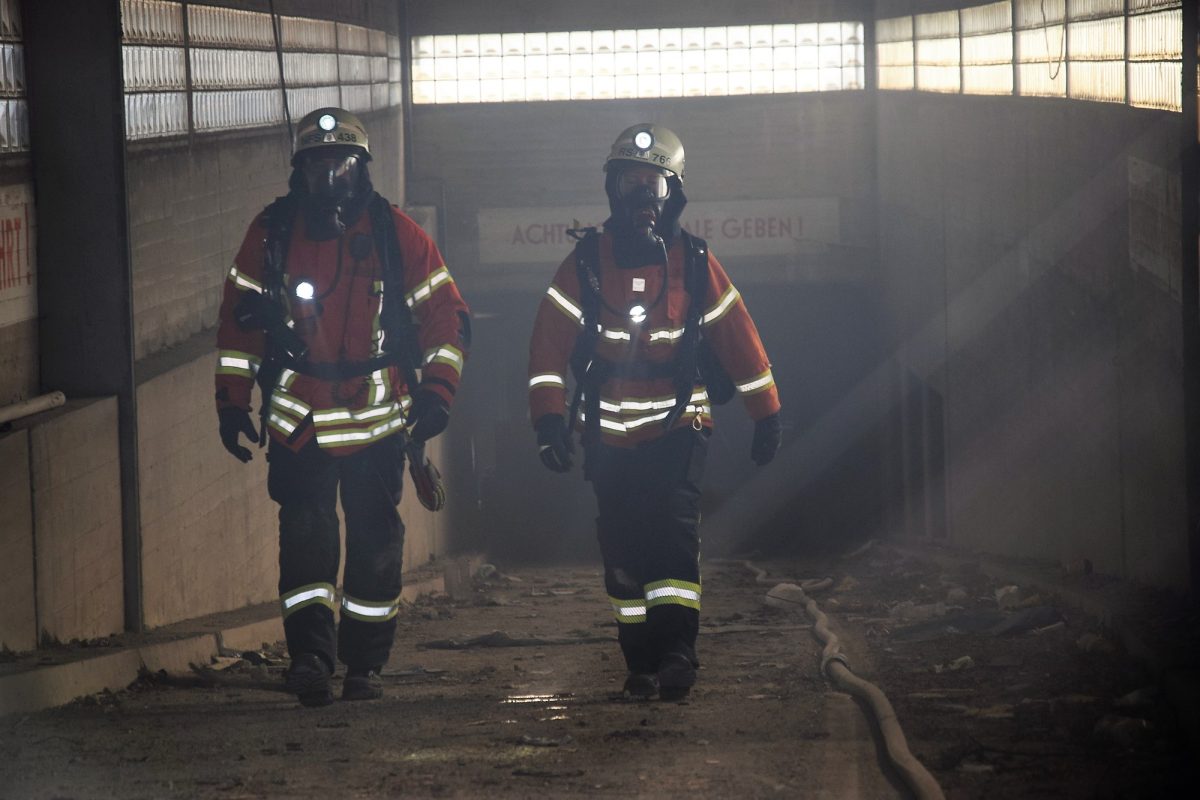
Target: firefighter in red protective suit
[
  {"x": 334, "y": 301},
  {"x": 654, "y": 333}
]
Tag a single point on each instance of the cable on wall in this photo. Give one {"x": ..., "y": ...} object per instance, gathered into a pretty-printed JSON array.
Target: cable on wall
[{"x": 275, "y": 26}]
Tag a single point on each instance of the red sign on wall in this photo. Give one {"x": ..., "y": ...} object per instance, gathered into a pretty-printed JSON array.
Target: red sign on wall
[{"x": 18, "y": 280}]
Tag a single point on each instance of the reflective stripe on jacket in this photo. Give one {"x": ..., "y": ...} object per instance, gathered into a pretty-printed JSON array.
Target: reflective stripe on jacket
[
  {"x": 342, "y": 323},
  {"x": 632, "y": 409}
]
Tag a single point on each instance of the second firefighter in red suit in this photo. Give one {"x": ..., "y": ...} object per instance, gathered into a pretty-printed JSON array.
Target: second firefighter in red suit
[
  {"x": 333, "y": 302},
  {"x": 626, "y": 315}
]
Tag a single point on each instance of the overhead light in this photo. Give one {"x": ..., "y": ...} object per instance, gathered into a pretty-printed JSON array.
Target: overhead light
[
  {"x": 327, "y": 122},
  {"x": 305, "y": 290},
  {"x": 643, "y": 140}
]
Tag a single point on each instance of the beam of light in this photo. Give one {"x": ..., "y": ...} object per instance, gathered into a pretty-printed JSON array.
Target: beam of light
[{"x": 925, "y": 353}]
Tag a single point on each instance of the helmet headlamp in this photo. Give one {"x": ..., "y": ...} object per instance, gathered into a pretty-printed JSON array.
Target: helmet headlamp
[
  {"x": 327, "y": 126},
  {"x": 649, "y": 144}
]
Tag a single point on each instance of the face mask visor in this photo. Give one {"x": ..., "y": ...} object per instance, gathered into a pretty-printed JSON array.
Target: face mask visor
[
  {"x": 330, "y": 175},
  {"x": 642, "y": 182}
]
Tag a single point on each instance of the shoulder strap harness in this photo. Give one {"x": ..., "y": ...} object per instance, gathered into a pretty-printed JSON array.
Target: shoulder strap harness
[
  {"x": 590, "y": 371},
  {"x": 400, "y": 343},
  {"x": 401, "y": 346}
]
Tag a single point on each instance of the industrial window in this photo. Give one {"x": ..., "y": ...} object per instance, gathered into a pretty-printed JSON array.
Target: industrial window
[
  {"x": 631, "y": 63},
  {"x": 230, "y": 59},
  {"x": 894, "y": 53},
  {"x": 1118, "y": 51},
  {"x": 987, "y": 49},
  {"x": 936, "y": 38},
  {"x": 1155, "y": 31},
  {"x": 1041, "y": 40},
  {"x": 14, "y": 113}
]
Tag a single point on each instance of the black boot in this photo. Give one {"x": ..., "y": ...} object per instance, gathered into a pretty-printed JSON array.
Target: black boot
[
  {"x": 308, "y": 679},
  {"x": 676, "y": 676},
  {"x": 362, "y": 683},
  {"x": 641, "y": 686}
]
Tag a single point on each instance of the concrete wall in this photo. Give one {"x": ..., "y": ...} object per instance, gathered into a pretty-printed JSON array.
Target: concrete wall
[
  {"x": 77, "y": 522},
  {"x": 209, "y": 539},
  {"x": 60, "y": 527},
  {"x": 18, "y": 361},
  {"x": 18, "y": 623},
  {"x": 1031, "y": 262}
]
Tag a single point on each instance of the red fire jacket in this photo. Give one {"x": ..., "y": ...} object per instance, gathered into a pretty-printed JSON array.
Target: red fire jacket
[
  {"x": 632, "y": 409},
  {"x": 341, "y": 323}
]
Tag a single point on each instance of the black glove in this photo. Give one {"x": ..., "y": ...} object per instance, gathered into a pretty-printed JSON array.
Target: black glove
[
  {"x": 234, "y": 420},
  {"x": 429, "y": 416},
  {"x": 554, "y": 442},
  {"x": 768, "y": 435}
]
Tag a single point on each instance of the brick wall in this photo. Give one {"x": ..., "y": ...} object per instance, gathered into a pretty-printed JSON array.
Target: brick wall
[
  {"x": 208, "y": 528},
  {"x": 188, "y": 210}
]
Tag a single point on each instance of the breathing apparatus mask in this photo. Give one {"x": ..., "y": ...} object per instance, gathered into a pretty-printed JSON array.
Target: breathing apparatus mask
[
  {"x": 330, "y": 156},
  {"x": 334, "y": 185},
  {"x": 645, "y": 205},
  {"x": 643, "y": 192},
  {"x": 329, "y": 175}
]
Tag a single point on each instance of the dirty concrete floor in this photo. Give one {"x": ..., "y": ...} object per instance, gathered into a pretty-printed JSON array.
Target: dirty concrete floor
[{"x": 1040, "y": 709}]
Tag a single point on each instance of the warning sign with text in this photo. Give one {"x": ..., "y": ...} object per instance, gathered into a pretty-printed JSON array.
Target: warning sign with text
[
  {"x": 18, "y": 287},
  {"x": 733, "y": 228}
]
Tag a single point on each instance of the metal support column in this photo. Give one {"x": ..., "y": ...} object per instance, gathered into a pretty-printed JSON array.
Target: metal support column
[
  {"x": 406, "y": 126},
  {"x": 85, "y": 296}
]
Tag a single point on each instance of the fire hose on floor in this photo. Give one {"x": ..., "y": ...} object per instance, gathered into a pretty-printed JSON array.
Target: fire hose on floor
[{"x": 836, "y": 668}]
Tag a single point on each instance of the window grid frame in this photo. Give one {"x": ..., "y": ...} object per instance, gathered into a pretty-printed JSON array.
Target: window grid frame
[
  {"x": 1086, "y": 46},
  {"x": 229, "y": 79},
  {"x": 645, "y": 63}
]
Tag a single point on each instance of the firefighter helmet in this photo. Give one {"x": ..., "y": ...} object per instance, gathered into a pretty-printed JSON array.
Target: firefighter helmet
[
  {"x": 647, "y": 143},
  {"x": 330, "y": 126}
]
